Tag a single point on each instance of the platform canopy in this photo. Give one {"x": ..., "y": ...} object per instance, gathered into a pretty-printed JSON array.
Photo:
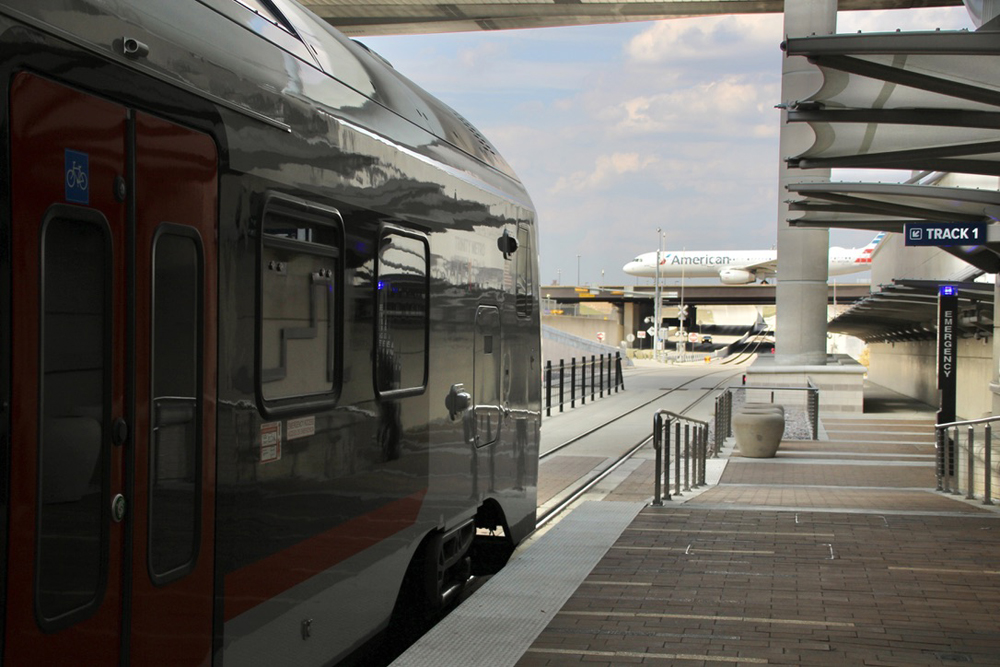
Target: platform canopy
[
  {"x": 888, "y": 207},
  {"x": 919, "y": 101},
  {"x": 397, "y": 17},
  {"x": 906, "y": 310},
  {"x": 927, "y": 102}
]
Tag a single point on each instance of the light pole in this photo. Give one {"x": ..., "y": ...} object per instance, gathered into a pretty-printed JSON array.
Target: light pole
[
  {"x": 656, "y": 297},
  {"x": 684, "y": 345},
  {"x": 577, "y": 270},
  {"x": 558, "y": 276}
]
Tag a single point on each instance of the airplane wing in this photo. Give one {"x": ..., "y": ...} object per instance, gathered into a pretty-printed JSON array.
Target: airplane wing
[{"x": 768, "y": 266}]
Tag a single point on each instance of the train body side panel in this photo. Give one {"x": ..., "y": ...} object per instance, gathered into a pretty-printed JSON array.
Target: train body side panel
[{"x": 319, "y": 495}]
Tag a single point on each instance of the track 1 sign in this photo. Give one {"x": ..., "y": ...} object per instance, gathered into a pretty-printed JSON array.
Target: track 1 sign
[{"x": 945, "y": 233}]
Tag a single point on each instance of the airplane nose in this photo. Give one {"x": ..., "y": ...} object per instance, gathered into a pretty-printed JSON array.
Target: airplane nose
[{"x": 629, "y": 267}]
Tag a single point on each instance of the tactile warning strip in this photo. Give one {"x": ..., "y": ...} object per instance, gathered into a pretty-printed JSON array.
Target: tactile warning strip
[{"x": 500, "y": 621}]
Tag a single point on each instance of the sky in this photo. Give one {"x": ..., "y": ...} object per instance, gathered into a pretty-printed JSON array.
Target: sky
[{"x": 617, "y": 130}]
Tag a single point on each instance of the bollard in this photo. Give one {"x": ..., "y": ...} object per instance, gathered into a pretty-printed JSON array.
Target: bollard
[
  {"x": 970, "y": 461},
  {"x": 666, "y": 461},
  {"x": 602, "y": 376},
  {"x": 939, "y": 457},
  {"x": 704, "y": 455},
  {"x": 657, "y": 443},
  {"x": 699, "y": 434},
  {"x": 715, "y": 424},
  {"x": 677, "y": 459},
  {"x": 593, "y": 365},
  {"x": 548, "y": 388},
  {"x": 561, "y": 385},
  {"x": 619, "y": 378},
  {"x": 953, "y": 463},
  {"x": 687, "y": 457},
  {"x": 943, "y": 459},
  {"x": 609, "y": 373},
  {"x": 695, "y": 455},
  {"x": 583, "y": 380},
  {"x": 572, "y": 382},
  {"x": 729, "y": 415},
  {"x": 987, "y": 465}
]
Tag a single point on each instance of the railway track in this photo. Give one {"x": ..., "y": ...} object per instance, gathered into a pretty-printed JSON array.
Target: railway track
[{"x": 589, "y": 481}]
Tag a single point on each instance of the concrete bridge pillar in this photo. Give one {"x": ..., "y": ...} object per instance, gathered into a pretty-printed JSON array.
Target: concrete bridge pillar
[{"x": 801, "y": 291}]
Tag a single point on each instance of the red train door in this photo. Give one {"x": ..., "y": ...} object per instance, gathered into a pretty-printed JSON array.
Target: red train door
[{"x": 112, "y": 420}]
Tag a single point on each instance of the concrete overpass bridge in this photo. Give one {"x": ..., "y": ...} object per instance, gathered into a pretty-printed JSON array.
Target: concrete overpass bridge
[
  {"x": 730, "y": 295},
  {"x": 567, "y": 309}
]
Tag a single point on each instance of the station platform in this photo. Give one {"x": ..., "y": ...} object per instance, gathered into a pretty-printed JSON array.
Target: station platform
[{"x": 836, "y": 552}]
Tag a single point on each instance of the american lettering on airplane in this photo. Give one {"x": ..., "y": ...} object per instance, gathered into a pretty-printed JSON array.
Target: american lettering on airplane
[{"x": 738, "y": 267}]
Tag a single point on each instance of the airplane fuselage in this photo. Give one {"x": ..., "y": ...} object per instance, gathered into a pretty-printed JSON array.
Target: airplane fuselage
[{"x": 737, "y": 267}]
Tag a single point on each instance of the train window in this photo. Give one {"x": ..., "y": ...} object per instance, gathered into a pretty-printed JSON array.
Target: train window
[
  {"x": 266, "y": 13},
  {"x": 525, "y": 279},
  {"x": 300, "y": 291},
  {"x": 75, "y": 413},
  {"x": 175, "y": 442},
  {"x": 401, "y": 303}
]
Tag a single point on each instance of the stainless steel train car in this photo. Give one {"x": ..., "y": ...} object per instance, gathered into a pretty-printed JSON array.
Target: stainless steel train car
[{"x": 269, "y": 332}]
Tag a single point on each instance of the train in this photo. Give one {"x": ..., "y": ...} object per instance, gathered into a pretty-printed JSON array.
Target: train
[{"x": 270, "y": 338}]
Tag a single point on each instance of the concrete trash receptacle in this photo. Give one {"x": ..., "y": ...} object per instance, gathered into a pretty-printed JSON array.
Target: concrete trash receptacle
[{"x": 758, "y": 431}]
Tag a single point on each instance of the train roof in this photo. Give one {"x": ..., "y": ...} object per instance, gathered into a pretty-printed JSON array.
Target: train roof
[{"x": 291, "y": 57}]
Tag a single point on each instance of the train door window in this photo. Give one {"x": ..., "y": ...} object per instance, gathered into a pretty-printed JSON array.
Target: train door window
[
  {"x": 75, "y": 413},
  {"x": 299, "y": 296},
  {"x": 175, "y": 447},
  {"x": 486, "y": 372},
  {"x": 401, "y": 305},
  {"x": 525, "y": 278}
]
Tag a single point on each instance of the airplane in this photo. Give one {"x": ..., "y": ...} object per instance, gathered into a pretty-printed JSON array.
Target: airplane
[{"x": 739, "y": 267}]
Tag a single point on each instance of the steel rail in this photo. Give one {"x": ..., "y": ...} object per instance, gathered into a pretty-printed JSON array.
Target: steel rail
[
  {"x": 550, "y": 514},
  {"x": 636, "y": 409}
]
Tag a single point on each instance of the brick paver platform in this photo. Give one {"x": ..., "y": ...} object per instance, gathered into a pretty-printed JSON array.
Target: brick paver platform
[
  {"x": 803, "y": 560},
  {"x": 554, "y": 475}
]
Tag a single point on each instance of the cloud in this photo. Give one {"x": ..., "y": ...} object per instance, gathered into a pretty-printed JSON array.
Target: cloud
[
  {"x": 621, "y": 129},
  {"x": 727, "y": 106},
  {"x": 929, "y": 18},
  {"x": 606, "y": 170},
  {"x": 704, "y": 39}
]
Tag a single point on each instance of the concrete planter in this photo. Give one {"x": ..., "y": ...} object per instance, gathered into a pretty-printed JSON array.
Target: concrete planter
[
  {"x": 756, "y": 408},
  {"x": 758, "y": 432}
]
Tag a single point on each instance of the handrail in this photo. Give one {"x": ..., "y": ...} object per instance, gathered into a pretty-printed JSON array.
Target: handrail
[
  {"x": 695, "y": 450},
  {"x": 947, "y": 459},
  {"x": 966, "y": 422}
]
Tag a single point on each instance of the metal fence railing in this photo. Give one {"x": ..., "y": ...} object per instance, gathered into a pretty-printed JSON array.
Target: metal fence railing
[
  {"x": 722, "y": 426},
  {"x": 692, "y": 447},
  {"x": 570, "y": 381},
  {"x": 978, "y": 466}
]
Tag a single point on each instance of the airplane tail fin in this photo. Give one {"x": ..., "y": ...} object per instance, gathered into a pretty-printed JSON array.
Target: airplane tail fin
[
  {"x": 865, "y": 255},
  {"x": 870, "y": 248}
]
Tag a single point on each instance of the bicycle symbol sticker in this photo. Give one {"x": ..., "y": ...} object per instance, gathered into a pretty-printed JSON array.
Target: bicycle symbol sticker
[{"x": 77, "y": 177}]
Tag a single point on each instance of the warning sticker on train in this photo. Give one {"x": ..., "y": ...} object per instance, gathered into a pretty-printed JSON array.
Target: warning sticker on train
[
  {"x": 270, "y": 442},
  {"x": 301, "y": 428}
]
